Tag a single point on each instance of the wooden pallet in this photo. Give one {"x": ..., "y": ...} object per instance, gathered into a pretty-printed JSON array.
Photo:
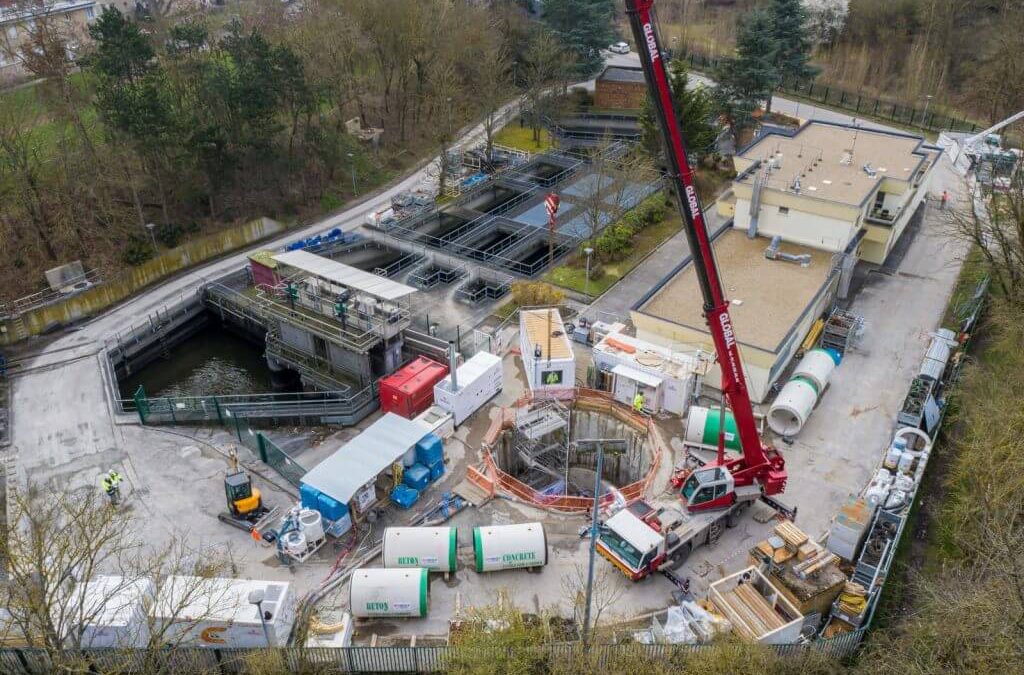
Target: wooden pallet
[{"x": 750, "y": 613}]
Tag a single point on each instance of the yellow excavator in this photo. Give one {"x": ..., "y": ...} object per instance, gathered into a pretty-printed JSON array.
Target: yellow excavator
[{"x": 245, "y": 504}]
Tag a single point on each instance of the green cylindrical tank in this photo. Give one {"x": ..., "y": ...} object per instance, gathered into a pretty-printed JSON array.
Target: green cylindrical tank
[{"x": 702, "y": 427}]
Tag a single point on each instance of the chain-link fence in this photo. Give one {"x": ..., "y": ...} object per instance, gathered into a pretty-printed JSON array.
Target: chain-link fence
[{"x": 859, "y": 104}]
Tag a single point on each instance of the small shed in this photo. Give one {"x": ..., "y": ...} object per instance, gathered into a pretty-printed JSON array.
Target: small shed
[
  {"x": 620, "y": 87},
  {"x": 350, "y": 474},
  {"x": 547, "y": 351}
]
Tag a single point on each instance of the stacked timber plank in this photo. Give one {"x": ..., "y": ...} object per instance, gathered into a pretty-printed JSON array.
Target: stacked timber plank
[
  {"x": 756, "y": 608},
  {"x": 749, "y": 612}
]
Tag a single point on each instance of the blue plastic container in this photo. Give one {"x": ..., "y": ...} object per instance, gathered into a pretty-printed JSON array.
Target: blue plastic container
[
  {"x": 436, "y": 471},
  {"x": 404, "y": 496},
  {"x": 309, "y": 497},
  {"x": 330, "y": 508},
  {"x": 430, "y": 450},
  {"x": 417, "y": 476}
]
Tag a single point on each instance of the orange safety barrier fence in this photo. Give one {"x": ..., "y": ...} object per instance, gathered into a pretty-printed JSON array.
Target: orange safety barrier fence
[{"x": 591, "y": 399}]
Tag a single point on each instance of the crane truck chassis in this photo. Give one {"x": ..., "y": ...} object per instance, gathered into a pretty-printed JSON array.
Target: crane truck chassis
[{"x": 640, "y": 539}]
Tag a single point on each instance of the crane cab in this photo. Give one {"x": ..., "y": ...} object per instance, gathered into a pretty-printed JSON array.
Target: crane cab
[
  {"x": 243, "y": 499},
  {"x": 711, "y": 488}
]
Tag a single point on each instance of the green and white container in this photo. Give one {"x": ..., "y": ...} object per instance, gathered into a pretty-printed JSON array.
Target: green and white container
[
  {"x": 702, "y": 425},
  {"x": 430, "y": 547},
  {"x": 506, "y": 547},
  {"x": 382, "y": 592}
]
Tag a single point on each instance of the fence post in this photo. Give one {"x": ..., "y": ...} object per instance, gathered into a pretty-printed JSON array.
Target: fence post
[
  {"x": 220, "y": 415},
  {"x": 238, "y": 428},
  {"x": 876, "y": 107},
  {"x": 23, "y": 661},
  {"x": 170, "y": 409},
  {"x": 858, "y": 102},
  {"x": 261, "y": 443},
  {"x": 825, "y": 99},
  {"x": 842, "y": 97}
]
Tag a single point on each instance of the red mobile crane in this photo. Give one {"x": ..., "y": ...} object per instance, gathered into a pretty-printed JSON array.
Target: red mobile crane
[{"x": 640, "y": 538}]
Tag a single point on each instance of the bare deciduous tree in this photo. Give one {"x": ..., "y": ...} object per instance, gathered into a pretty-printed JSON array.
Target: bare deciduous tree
[
  {"x": 992, "y": 223},
  {"x": 606, "y": 594}
]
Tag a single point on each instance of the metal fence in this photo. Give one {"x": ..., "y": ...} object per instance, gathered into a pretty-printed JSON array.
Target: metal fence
[
  {"x": 857, "y": 103},
  {"x": 375, "y": 659}
]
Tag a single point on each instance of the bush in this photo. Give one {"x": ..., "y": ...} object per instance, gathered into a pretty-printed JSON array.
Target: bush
[
  {"x": 615, "y": 243},
  {"x": 169, "y": 234},
  {"x": 138, "y": 250},
  {"x": 535, "y": 293}
]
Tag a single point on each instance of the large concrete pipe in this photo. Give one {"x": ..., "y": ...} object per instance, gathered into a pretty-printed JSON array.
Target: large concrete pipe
[
  {"x": 702, "y": 426},
  {"x": 817, "y": 366},
  {"x": 793, "y": 406}
]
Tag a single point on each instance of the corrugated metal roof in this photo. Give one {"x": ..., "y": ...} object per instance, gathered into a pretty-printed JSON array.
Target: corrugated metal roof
[
  {"x": 363, "y": 458},
  {"x": 345, "y": 275},
  {"x": 636, "y": 375}
]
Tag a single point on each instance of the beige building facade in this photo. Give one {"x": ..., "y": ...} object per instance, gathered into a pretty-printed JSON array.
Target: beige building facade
[{"x": 21, "y": 19}]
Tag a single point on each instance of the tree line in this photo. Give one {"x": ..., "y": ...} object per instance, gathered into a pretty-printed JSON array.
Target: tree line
[{"x": 191, "y": 120}]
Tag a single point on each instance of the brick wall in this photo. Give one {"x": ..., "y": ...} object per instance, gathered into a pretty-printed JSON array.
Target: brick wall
[{"x": 621, "y": 95}]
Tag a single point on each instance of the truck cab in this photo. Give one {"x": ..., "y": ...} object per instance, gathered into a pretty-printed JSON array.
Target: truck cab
[
  {"x": 631, "y": 544},
  {"x": 711, "y": 488}
]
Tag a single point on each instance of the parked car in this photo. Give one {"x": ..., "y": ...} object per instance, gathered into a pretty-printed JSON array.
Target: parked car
[{"x": 619, "y": 48}]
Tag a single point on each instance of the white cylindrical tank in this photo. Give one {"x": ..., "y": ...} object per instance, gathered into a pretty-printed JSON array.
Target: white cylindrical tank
[
  {"x": 430, "y": 547},
  {"x": 503, "y": 547},
  {"x": 378, "y": 591},
  {"x": 294, "y": 542},
  {"x": 792, "y": 407},
  {"x": 817, "y": 366},
  {"x": 311, "y": 524}
]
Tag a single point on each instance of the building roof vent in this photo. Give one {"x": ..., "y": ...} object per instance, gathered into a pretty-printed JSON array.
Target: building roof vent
[
  {"x": 847, "y": 158},
  {"x": 870, "y": 170}
]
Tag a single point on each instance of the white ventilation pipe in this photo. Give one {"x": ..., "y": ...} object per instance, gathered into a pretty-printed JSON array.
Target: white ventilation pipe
[
  {"x": 773, "y": 253},
  {"x": 817, "y": 365},
  {"x": 792, "y": 407}
]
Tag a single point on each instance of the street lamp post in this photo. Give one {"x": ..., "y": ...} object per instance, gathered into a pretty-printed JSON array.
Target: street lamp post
[
  {"x": 352, "y": 161},
  {"x": 586, "y": 283},
  {"x": 593, "y": 543},
  {"x": 924, "y": 116},
  {"x": 256, "y": 597}
]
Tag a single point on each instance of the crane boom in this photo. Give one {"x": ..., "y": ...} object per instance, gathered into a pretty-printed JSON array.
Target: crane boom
[{"x": 758, "y": 465}]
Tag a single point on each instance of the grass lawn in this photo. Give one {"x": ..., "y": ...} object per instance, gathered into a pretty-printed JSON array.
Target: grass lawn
[
  {"x": 648, "y": 239},
  {"x": 521, "y": 138}
]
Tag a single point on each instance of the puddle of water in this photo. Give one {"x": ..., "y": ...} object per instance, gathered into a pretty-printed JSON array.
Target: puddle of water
[{"x": 211, "y": 362}]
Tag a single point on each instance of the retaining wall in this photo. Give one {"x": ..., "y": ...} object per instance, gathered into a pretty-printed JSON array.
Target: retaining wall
[{"x": 102, "y": 296}]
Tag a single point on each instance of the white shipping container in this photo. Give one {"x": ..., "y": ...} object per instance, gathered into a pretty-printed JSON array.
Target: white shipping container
[
  {"x": 430, "y": 547},
  {"x": 675, "y": 371},
  {"x": 479, "y": 380},
  {"x": 503, "y": 547},
  {"x": 546, "y": 350},
  {"x": 110, "y": 611},
  {"x": 217, "y": 612},
  {"x": 379, "y": 592}
]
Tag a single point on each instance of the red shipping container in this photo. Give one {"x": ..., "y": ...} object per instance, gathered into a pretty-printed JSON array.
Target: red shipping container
[{"x": 410, "y": 390}]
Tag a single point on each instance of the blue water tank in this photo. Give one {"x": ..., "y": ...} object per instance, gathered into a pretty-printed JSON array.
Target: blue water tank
[
  {"x": 417, "y": 476},
  {"x": 436, "y": 471},
  {"x": 309, "y": 496},
  {"x": 404, "y": 496},
  {"x": 330, "y": 508},
  {"x": 430, "y": 450}
]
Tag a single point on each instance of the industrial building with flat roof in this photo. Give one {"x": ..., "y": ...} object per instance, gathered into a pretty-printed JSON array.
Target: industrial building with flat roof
[
  {"x": 774, "y": 303},
  {"x": 821, "y": 184}
]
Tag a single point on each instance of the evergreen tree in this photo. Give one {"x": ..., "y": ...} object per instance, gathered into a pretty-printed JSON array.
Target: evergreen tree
[
  {"x": 748, "y": 79},
  {"x": 695, "y": 108},
  {"x": 584, "y": 27},
  {"x": 793, "y": 41}
]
